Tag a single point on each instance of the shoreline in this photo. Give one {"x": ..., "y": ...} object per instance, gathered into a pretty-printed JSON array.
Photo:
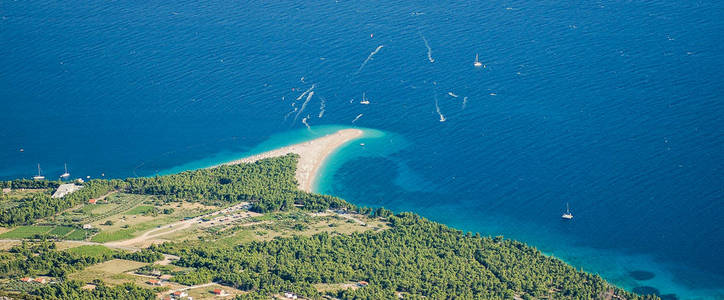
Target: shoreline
[{"x": 312, "y": 155}]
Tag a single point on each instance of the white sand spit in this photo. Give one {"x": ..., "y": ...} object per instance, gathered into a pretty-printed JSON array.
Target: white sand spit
[{"x": 312, "y": 154}]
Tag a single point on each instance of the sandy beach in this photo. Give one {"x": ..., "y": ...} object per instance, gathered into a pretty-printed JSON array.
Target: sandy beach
[{"x": 312, "y": 154}]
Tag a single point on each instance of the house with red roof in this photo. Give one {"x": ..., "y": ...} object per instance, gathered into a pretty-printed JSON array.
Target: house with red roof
[
  {"x": 154, "y": 282},
  {"x": 220, "y": 292},
  {"x": 180, "y": 294}
]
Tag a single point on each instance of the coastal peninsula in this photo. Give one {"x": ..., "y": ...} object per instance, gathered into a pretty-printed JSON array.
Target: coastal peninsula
[
  {"x": 312, "y": 154},
  {"x": 250, "y": 229}
]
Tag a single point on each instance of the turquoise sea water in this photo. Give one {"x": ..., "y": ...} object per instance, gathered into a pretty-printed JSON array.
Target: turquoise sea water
[{"x": 615, "y": 107}]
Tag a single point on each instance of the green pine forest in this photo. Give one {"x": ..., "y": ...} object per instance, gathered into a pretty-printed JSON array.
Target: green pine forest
[{"x": 414, "y": 258}]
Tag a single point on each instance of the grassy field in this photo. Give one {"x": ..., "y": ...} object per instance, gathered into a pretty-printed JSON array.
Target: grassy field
[
  {"x": 334, "y": 287},
  {"x": 117, "y": 266},
  {"x": 141, "y": 209},
  {"x": 23, "y": 232},
  {"x": 115, "y": 272},
  {"x": 76, "y": 235},
  {"x": 65, "y": 245},
  {"x": 5, "y": 245},
  {"x": 91, "y": 250},
  {"x": 99, "y": 209},
  {"x": 299, "y": 223},
  {"x": 114, "y": 204},
  {"x": 112, "y": 271},
  {"x": 133, "y": 222},
  {"x": 133, "y": 230},
  {"x": 182, "y": 235},
  {"x": 23, "y": 193},
  {"x": 235, "y": 239},
  {"x": 208, "y": 292},
  {"x": 60, "y": 231},
  {"x": 104, "y": 237},
  {"x": 272, "y": 225},
  {"x": 63, "y": 232}
]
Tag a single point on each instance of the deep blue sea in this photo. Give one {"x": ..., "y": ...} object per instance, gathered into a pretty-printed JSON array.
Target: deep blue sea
[{"x": 616, "y": 107}]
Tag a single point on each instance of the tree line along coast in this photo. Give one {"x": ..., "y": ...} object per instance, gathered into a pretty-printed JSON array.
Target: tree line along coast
[{"x": 401, "y": 255}]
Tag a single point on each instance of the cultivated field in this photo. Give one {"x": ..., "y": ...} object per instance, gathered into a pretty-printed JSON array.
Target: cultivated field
[{"x": 129, "y": 222}]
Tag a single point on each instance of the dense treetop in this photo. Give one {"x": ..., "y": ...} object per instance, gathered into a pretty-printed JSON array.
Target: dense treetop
[{"x": 416, "y": 257}]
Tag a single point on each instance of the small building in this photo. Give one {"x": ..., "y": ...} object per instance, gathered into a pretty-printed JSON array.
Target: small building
[
  {"x": 154, "y": 282},
  {"x": 363, "y": 283},
  {"x": 87, "y": 226},
  {"x": 26, "y": 279},
  {"x": 180, "y": 294},
  {"x": 220, "y": 292},
  {"x": 92, "y": 201},
  {"x": 39, "y": 280}
]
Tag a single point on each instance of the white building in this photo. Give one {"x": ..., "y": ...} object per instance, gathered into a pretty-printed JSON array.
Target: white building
[{"x": 65, "y": 189}]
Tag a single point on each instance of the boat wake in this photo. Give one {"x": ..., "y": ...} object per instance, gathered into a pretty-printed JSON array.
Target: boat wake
[
  {"x": 429, "y": 50},
  {"x": 437, "y": 109},
  {"x": 289, "y": 114},
  {"x": 321, "y": 107},
  {"x": 357, "y": 118},
  {"x": 304, "y": 121},
  {"x": 304, "y": 105},
  {"x": 369, "y": 57},
  {"x": 306, "y": 92}
]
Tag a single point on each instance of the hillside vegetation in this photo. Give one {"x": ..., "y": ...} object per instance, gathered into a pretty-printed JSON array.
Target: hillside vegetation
[{"x": 405, "y": 255}]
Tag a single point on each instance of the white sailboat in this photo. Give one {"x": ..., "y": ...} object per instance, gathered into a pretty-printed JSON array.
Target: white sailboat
[
  {"x": 364, "y": 100},
  {"x": 39, "y": 176},
  {"x": 567, "y": 215},
  {"x": 66, "y": 174},
  {"x": 477, "y": 62}
]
